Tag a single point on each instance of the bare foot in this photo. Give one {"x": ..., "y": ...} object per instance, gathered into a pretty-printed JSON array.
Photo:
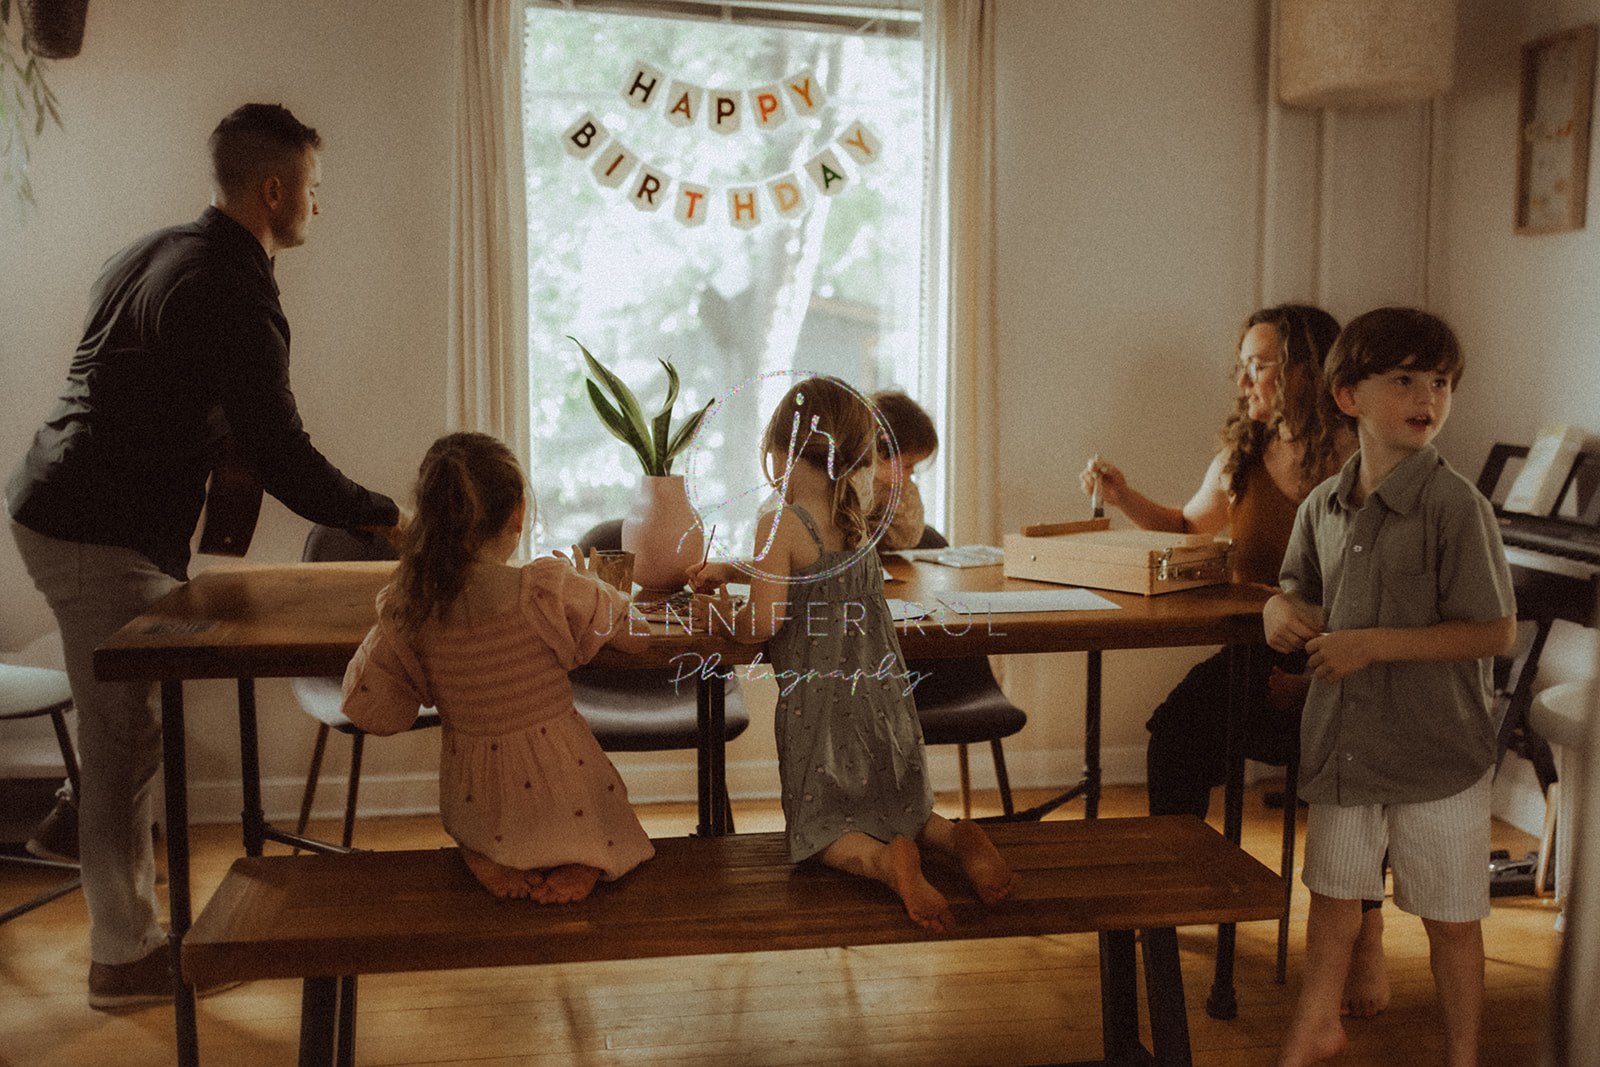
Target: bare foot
[
  {"x": 926, "y": 905},
  {"x": 985, "y": 868},
  {"x": 566, "y": 884},
  {"x": 504, "y": 882},
  {"x": 1366, "y": 985},
  {"x": 1312, "y": 1047}
]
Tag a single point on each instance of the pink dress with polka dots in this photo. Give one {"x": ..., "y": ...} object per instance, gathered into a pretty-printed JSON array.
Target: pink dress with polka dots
[{"x": 522, "y": 780}]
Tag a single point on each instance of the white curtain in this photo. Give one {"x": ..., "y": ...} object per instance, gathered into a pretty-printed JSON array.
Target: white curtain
[
  {"x": 488, "y": 325},
  {"x": 959, "y": 282}
]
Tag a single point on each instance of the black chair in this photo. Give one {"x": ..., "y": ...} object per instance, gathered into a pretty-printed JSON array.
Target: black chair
[
  {"x": 645, "y": 710},
  {"x": 960, "y": 703},
  {"x": 25, "y": 693},
  {"x": 322, "y": 698}
]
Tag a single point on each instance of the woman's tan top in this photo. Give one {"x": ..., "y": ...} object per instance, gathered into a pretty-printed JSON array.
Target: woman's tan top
[{"x": 1260, "y": 520}]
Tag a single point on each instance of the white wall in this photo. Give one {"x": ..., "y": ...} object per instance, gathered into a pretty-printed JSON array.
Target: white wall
[
  {"x": 1523, "y": 304},
  {"x": 1129, "y": 177},
  {"x": 365, "y": 297}
]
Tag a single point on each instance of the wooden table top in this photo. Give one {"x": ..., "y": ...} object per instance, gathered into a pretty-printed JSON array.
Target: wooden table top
[
  {"x": 321, "y": 915},
  {"x": 286, "y": 620}
]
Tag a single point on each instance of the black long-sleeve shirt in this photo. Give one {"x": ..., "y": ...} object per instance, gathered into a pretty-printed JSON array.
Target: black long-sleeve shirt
[{"x": 185, "y": 342}]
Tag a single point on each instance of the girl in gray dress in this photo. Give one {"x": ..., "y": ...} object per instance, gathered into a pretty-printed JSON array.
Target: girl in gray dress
[{"x": 850, "y": 753}]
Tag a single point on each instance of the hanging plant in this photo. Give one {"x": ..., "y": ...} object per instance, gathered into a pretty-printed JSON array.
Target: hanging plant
[
  {"x": 53, "y": 29},
  {"x": 26, "y": 104}
]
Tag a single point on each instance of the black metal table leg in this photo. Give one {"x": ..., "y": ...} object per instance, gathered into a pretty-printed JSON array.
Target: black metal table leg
[
  {"x": 251, "y": 816},
  {"x": 1222, "y": 1004},
  {"x": 1088, "y": 786},
  {"x": 721, "y": 816},
  {"x": 179, "y": 905},
  {"x": 347, "y": 1021},
  {"x": 319, "y": 1001},
  {"x": 1119, "y": 996},
  {"x": 1163, "y": 984},
  {"x": 1091, "y": 736},
  {"x": 706, "y": 825}
]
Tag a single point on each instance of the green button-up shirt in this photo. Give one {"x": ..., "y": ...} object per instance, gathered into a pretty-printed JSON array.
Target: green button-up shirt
[{"x": 1423, "y": 548}]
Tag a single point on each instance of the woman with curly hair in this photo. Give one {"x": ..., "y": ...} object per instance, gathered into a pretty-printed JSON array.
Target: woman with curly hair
[{"x": 1284, "y": 436}]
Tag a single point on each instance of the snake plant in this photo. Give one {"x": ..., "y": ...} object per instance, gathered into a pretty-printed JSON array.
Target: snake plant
[{"x": 654, "y": 442}]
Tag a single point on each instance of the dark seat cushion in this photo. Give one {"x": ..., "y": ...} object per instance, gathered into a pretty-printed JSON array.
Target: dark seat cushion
[
  {"x": 960, "y": 703},
  {"x": 642, "y": 711}
]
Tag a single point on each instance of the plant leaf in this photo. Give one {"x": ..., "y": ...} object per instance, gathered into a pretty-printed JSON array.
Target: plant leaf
[
  {"x": 620, "y": 428},
  {"x": 663, "y": 420},
  {"x": 685, "y": 434},
  {"x": 627, "y": 405}
]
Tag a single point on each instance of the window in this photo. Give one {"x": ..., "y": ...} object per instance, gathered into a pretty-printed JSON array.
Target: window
[{"x": 736, "y": 302}]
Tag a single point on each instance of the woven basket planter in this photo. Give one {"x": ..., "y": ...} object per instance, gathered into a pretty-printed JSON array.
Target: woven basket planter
[{"x": 53, "y": 29}]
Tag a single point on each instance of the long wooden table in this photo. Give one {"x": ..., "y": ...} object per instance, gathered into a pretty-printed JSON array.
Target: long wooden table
[{"x": 294, "y": 620}]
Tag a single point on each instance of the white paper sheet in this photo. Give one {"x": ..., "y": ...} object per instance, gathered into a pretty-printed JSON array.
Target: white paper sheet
[{"x": 1025, "y": 600}]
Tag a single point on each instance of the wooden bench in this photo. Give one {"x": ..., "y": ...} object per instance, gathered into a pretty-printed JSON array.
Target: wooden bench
[{"x": 328, "y": 918}]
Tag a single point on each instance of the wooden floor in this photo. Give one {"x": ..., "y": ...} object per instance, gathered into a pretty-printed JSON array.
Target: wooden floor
[{"x": 975, "y": 1002}]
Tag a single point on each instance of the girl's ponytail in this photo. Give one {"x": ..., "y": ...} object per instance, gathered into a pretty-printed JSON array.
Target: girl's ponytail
[{"x": 468, "y": 487}]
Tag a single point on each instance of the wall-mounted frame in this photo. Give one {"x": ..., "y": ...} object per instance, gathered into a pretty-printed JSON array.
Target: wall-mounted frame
[{"x": 1553, "y": 131}]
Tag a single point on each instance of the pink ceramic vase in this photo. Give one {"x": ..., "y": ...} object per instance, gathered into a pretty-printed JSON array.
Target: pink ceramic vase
[{"x": 663, "y": 533}]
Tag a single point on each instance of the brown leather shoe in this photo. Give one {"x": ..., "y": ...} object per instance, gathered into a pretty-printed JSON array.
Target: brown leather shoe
[
  {"x": 116, "y": 986},
  {"x": 113, "y": 986}
]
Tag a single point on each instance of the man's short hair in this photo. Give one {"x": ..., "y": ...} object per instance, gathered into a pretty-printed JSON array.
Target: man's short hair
[
  {"x": 1388, "y": 337},
  {"x": 257, "y": 141}
]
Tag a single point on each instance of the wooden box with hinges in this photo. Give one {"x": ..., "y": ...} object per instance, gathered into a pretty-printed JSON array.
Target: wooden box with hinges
[{"x": 1090, "y": 553}]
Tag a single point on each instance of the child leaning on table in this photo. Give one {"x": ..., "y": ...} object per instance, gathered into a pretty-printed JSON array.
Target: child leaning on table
[
  {"x": 913, "y": 438},
  {"x": 1396, "y": 585},
  {"x": 850, "y": 754},
  {"x": 537, "y": 808}
]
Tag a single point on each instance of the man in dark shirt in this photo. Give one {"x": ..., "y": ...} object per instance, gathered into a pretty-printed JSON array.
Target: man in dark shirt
[{"x": 185, "y": 346}]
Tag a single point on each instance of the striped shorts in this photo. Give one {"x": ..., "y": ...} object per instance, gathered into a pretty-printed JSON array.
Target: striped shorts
[{"x": 1438, "y": 851}]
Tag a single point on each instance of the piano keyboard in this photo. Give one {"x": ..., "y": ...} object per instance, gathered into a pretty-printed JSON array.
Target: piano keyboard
[{"x": 1549, "y": 563}]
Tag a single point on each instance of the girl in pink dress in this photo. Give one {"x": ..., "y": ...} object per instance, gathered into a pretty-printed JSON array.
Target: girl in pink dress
[{"x": 524, "y": 788}]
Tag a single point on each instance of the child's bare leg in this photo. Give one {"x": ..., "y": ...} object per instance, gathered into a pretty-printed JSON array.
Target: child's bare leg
[
  {"x": 1366, "y": 987},
  {"x": 1315, "y": 1032},
  {"x": 897, "y": 865},
  {"x": 1455, "y": 952},
  {"x": 567, "y": 884},
  {"x": 991, "y": 876},
  {"x": 504, "y": 882}
]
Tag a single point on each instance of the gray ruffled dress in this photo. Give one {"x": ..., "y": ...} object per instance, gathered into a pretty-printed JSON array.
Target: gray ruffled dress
[{"x": 849, "y": 743}]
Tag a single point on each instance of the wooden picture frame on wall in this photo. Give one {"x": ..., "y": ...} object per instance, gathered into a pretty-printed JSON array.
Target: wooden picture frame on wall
[{"x": 1553, "y": 131}]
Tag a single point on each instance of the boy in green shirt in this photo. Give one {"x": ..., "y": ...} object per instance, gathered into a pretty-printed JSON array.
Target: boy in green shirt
[{"x": 1395, "y": 583}]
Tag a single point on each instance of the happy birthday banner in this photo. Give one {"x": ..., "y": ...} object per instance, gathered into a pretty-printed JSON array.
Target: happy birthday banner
[{"x": 683, "y": 104}]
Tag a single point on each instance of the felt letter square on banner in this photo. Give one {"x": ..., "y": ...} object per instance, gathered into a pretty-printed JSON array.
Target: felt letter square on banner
[
  {"x": 742, "y": 209},
  {"x": 614, "y": 165},
  {"x": 723, "y": 111},
  {"x": 860, "y": 143},
  {"x": 683, "y": 103},
  {"x": 786, "y": 196},
  {"x": 643, "y": 81},
  {"x": 651, "y": 190},
  {"x": 690, "y": 208},
  {"x": 827, "y": 172},
  {"x": 767, "y": 105},
  {"x": 584, "y": 137},
  {"x": 805, "y": 93}
]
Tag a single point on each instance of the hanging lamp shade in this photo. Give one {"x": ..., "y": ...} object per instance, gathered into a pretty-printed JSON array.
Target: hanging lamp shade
[{"x": 1364, "y": 53}]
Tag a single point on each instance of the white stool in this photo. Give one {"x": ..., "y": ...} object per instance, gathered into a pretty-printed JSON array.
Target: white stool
[
  {"x": 26, "y": 692},
  {"x": 1560, "y": 716}
]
